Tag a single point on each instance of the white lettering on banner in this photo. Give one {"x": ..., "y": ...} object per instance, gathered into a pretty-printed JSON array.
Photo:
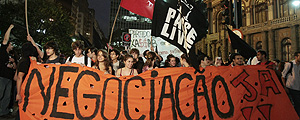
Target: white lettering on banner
[{"x": 191, "y": 34}]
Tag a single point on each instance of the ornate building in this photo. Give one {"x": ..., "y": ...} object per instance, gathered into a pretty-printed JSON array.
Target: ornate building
[{"x": 270, "y": 25}]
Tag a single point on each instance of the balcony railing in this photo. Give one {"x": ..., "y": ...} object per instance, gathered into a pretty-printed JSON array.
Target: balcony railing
[{"x": 271, "y": 22}]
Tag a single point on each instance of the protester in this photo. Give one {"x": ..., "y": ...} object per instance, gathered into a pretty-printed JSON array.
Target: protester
[
  {"x": 281, "y": 66},
  {"x": 122, "y": 55},
  {"x": 171, "y": 61},
  {"x": 149, "y": 64},
  {"x": 138, "y": 61},
  {"x": 102, "y": 62},
  {"x": 276, "y": 62},
  {"x": 128, "y": 69},
  {"x": 145, "y": 53},
  {"x": 78, "y": 58},
  {"x": 53, "y": 54},
  {"x": 291, "y": 80},
  {"x": 237, "y": 60},
  {"x": 210, "y": 61},
  {"x": 203, "y": 60},
  {"x": 219, "y": 61},
  {"x": 115, "y": 63},
  {"x": 158, "y": 58},
  {"x": 92, "y": 54},
  {"x": 184, "y": 61},
  {"x": 7, "y": 68},
  {"x": 262, "y": 57},
  {"x": 29, "y": 51}
]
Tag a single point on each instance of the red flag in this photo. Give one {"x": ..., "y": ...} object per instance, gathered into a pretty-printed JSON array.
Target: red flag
[{"x": 141, "y": 7}]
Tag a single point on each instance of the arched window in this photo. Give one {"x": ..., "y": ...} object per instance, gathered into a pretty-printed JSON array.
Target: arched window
[
  {"x": 286, "y": 49},
  {"x": 219, "y": 24},
  {"x": 283, "y": 8},
  {"x": 244, "y": 14},
  {"x": 258, "y": 45},
  {"x": 260, "y": 11}
]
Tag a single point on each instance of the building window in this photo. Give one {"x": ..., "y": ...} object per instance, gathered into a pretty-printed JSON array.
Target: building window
[
  {"x": 286, "y": 49},
  {"x": 260, "y": 11},
  {"x": 244, "y": 14},
  {"x": 219, "y": 24},
  {"x": 258, "y": 45}
]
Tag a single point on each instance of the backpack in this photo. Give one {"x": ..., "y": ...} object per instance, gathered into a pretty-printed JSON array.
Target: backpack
[{"x": 85, "y": 59}]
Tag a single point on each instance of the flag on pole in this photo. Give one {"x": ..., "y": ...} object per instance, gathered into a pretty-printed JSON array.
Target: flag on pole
[
  {"x": 180, "y": 23},
  {"x": 243, "y": 48},
  {"x": 141, "y": 7}
]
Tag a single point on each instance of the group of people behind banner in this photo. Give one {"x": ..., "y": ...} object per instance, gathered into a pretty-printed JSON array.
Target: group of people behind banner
[{"x": 121, "y": 63}]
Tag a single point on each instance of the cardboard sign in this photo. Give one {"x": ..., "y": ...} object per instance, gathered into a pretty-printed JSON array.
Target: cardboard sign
[
  {"x": 141, "y": 40},
  {"x": 74, "y": 92}
]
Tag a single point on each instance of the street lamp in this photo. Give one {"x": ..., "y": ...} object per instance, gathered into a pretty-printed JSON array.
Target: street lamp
[{"x": 296, "y": 3}]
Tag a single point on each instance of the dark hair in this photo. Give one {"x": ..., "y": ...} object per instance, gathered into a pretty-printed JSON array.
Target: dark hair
[
  {"x": 53, "y": 45},
  {"x": 233, "y": 55},
  {"x": 168, "y": 60},
  {"x": 276, "y": 60},
  {"x": 201, "y": 57},
  {"x": 29, "y": 50},
  {"x": 184, "y": 56},
  {"x": 106, "y": 61},
  {"x": 127, "y": 57},
  {"x": 150, "y": 57},
  {"x": 262, "y": 52},
  {"x": 124, "y": 51},
  {"x": 92, "y": 49},
  {"x": 116, "y": 51},
  {"x": 134, "y": 50},
  {"x": 296, "y": 53},
  {"x": 145, "y": 53},
  {"x": 77, "y": 44},
  {"x": 169, "y": 57},
  {"x": 281, "y": 66}
]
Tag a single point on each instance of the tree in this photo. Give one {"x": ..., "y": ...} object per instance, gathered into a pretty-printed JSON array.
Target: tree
[{"x": 43, "y": 15}]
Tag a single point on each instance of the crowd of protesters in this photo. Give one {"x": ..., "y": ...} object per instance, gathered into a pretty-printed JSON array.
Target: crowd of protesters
[{"x": 120, "y": 63}]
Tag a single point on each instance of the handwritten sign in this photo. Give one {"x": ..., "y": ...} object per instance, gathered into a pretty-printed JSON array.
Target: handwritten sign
[{"x": 74, "y": 92}]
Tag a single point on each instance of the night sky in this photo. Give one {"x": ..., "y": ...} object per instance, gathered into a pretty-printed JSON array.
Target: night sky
[{"x": 102, "y": 11}]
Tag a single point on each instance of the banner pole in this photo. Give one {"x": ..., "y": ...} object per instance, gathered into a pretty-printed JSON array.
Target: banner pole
[
  {"x": 26, "y": 17},
  {"x": 112, "y": 29}
]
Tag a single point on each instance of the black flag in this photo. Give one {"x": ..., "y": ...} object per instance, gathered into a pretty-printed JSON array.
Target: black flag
[
  {"x": 181, "y": 23},
  {"x": 243, "y": 48}
]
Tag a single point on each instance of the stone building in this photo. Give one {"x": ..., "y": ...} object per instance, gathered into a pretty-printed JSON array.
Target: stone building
[{"x": 270, "y": 25}]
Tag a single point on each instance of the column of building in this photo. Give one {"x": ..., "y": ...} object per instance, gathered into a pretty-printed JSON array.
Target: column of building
[
  {"x": 295, "y": 42},
  {"x": 265, "y": 41},
  {"x": 271, "y": 44}
]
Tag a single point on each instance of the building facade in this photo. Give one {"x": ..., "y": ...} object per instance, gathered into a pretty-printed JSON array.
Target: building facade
[
  {"x": 82, "y": 16},
  {"x": 270, "y": 25}
]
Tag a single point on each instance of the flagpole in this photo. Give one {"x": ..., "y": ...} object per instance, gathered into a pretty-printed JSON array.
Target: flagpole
[
  {"x": 151, "y": 45},
  {"x": 182, "y": 23},
  {"x": 112, "y": 29},
  {"x": 26, "y": 18}
]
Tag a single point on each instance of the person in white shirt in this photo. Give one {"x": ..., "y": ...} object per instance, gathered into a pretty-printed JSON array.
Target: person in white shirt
[
  {"x": 78, "y": 58},
  {"x": 291, "y": 80}
]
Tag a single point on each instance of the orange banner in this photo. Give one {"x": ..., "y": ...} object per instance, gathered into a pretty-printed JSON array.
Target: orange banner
[{"x": 74, "y": 92}]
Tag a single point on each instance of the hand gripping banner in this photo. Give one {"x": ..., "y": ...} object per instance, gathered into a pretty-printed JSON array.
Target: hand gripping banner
[{"x": 52, "y": 92}]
